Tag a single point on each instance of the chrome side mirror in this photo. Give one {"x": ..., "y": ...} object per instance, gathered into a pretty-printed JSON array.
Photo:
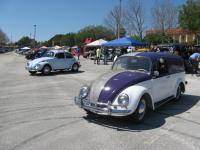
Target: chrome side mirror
[{"x": 156, "y": 73}]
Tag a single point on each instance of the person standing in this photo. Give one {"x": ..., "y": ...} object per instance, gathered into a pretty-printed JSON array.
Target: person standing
[
  {"x": 78, "y": 51},
  {"x": 98, "y": 54},
  {"x": 105, "y": 53}
]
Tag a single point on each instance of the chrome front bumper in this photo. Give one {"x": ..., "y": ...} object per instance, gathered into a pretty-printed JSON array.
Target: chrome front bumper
[{"x": 101, "y": 108}]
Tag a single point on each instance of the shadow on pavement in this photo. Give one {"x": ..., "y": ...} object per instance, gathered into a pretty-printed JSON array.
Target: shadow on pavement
[
  {"x": 154, "y": 119},
  {"x": 58, "y": 73}
]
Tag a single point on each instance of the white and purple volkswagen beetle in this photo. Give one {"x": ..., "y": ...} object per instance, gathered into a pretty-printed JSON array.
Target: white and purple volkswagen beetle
[{"x": 136, "y": 82}]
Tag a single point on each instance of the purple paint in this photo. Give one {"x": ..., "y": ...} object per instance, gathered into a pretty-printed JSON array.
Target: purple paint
[{"x": 119, "y": 82}]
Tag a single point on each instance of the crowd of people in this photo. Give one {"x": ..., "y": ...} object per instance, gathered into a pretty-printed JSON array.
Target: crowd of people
[{"x": 190, "y": 55}]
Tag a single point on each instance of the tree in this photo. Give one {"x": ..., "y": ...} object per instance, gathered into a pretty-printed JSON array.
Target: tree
[
  {"x": 164, "y": 15},
  {"x": 25, "y": 41},
  {"x": 135, "y": 18},
  {"x": 94, "y": 32},
  {"x": 189, "y": 16},
  {"x": 115, "y": 20},
  {"x": 157, "y": 38},
  {"x": 3, "y": 38}
]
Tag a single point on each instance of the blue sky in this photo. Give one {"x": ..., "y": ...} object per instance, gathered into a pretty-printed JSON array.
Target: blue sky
[{"x": 17, "y": 17}]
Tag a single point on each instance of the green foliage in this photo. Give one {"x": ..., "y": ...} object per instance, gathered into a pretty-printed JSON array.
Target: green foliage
[
  {"x": 189, "y": 16},
  {"x": 71, "y": 39},
  {"x": 94, "y": 32},
  {"x": 25, "y": 41},
  {"x": 136, "y": 37},
  {"x": 157, "y": 38}
]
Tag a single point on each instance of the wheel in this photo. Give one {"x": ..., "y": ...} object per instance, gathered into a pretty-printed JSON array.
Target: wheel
[
  {"x": 178, "y": 93},
  {"x": 32, "y": 72},
  {"x": 46, "y": 70},
  {"x": 139, "y": 115},
  {"x": 75, "y": 68}
]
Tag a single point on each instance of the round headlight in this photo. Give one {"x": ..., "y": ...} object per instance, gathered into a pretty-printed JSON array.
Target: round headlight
[
  {"x": 84, "y": 92},
  {"x": 123, "y": 100},
  {"x": 37, "y": 66}
]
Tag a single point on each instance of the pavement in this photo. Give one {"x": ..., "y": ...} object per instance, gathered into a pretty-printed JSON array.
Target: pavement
[{"x": 38, "y": 113}]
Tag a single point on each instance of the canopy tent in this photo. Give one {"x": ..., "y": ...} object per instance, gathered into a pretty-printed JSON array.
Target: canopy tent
[
  {"x": 96, "y": 43},
  {"x": 43, "y": 47},
  {"x": 123, "y": 42},
  {"x": 57, "y": 47},
  {"x": 25, "y": 48}
]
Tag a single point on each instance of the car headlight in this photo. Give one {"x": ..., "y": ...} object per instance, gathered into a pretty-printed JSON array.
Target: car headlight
[
  {"x": 84, "y": 91},
  {"x": 37, "y": 66},
  {"x": 123, "y": 100}
]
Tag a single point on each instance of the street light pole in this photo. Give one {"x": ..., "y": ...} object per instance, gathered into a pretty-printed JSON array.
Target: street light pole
[
  {"x": 34, "y": 34},
  {"x": 119, "y": 20}
]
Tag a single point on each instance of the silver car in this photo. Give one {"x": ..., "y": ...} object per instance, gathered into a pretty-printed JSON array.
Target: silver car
[{"x": 53, "y": 61}]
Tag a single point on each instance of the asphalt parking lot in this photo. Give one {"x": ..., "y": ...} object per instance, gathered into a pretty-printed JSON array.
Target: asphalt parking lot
[{"x": 37, "y": 112}]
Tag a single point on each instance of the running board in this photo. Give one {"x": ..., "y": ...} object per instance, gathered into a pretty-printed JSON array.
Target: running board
[{"x": 158, "y": 104}]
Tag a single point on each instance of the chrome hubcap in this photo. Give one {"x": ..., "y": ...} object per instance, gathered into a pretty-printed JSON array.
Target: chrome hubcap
[
  {"x": 142, "y": 108},
  {"x": 46, "y": 69},
  {"x": 178, "y": 93}
]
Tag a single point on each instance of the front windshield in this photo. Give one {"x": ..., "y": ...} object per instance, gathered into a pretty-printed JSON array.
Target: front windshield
[
  {"x": 49, "y": 54},
  {"x": 132, "y": 63}
]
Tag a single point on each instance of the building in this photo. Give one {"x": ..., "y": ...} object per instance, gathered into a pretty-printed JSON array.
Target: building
[{"x": 177, "y": 34}]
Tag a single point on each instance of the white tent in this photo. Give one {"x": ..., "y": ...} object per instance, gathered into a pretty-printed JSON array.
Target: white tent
[
  {"x": 43, "y": 47},
  {"x": 57, "y": 47},
  {"x": 25, "y": 48},
  {"x": 96, "y": 43}
]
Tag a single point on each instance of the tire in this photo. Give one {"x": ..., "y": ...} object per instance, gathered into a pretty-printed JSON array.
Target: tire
[
  {"x": 75, "y": 68},
  {"x": 89, "y": 112},
  {"x": 178, "y": 93},
  {"x": 139, "y": 115},
  {"x": 32, "y": 72},
  {"x": 46, "y": 70}
]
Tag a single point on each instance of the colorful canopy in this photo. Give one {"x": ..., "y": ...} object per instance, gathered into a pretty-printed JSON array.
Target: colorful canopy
[
  {"x": 96, "y": 43},
  {"x": 123, "y": 42}
]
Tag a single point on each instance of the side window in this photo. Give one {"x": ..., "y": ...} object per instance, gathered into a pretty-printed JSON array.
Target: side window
[
  {"x": 162, "y": 68},
  {"x": 60, "y": 55},
  {"x": 68, "y": 55}
]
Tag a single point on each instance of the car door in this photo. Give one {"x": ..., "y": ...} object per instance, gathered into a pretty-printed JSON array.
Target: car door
[
  {"x": 60, "y": 61},
  {"x": 70, "y": 60},
  {"x": 161, "y": 84}
]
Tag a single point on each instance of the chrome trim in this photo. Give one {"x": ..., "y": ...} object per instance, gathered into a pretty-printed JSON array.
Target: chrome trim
[{"x": 101, "y": 108}]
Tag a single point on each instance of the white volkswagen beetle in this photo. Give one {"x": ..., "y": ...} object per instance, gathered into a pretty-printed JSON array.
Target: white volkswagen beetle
[
  {"x": 53, "y": 61},
  {"x": 134, "y": 84}
]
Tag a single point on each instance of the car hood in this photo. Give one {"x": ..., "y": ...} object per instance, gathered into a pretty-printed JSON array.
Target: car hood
[
  {"x": 36, "y": 61},
  {"x": 108, "y": 86}
]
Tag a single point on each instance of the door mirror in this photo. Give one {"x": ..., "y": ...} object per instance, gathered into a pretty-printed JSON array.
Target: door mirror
[{"x": 155, "y": 74}]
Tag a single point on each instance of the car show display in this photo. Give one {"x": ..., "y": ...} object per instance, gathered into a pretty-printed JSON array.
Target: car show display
[{"x": 134, "y": 85}]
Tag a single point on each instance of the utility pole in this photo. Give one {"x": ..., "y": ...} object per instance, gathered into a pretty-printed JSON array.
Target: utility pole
[
  {"x": 119, "y": 20},
  {"x": 34, "y": 34}
]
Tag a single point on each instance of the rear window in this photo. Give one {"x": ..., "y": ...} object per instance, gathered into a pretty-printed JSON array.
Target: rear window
[{"x": 175, "y": 66}]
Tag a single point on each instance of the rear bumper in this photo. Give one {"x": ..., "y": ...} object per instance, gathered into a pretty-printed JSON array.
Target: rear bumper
[{"x": 102, "y": 109}]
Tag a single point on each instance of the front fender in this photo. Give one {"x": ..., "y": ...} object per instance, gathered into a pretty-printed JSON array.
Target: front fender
[
  {"x": 135, "y": 93},
  {"x": 44, "y": 63}
]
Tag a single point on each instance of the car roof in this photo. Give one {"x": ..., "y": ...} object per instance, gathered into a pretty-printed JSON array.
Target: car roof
[
  {"x": 155, "y": 55},
  {"x": 58, "y": 51}
]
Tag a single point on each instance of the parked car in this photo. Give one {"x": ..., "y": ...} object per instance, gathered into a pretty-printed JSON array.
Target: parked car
[
  {"x": 136, "y": 83},
  {"x": 36, "y": 54},
  {"x": 55, "y": 60}
]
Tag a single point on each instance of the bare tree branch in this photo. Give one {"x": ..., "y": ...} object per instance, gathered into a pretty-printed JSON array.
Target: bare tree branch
[
  {"x": 135, "y": 18},
  {"x": 113, "y": 19},
  {"x": 165, "y": 15}
]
